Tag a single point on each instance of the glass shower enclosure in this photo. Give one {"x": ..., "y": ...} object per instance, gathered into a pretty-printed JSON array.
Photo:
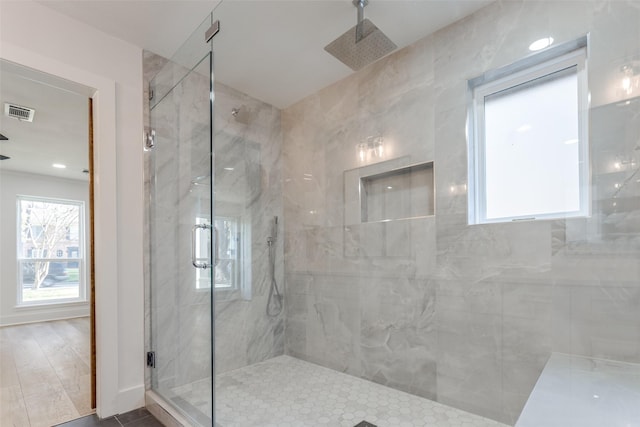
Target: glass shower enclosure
[
  {"x": 216, "y": 244},
  {"x": 181, "y": 212}
]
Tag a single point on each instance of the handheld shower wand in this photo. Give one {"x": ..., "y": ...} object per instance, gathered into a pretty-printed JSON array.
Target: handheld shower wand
[{"x": 274, "y": 303}]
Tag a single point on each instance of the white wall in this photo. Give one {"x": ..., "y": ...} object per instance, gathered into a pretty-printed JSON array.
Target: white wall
[
  {"x": 13, "y": 184},
  {"x": 35, "y": 36}
]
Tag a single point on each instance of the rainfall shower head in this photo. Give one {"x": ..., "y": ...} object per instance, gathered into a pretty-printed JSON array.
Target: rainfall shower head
[{"x": 362, "y": 44}]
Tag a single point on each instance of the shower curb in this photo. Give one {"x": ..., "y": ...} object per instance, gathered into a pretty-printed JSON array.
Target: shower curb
[{"x": 163, "y": 412}]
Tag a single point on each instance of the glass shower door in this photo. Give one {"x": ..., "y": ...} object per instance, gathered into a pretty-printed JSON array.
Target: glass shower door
[{"x": 180, "y": 230}]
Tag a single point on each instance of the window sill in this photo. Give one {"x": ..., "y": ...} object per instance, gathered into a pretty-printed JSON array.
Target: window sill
[
  {"x": 49, "y": 304},
  {"x": 552, "y": 217}
]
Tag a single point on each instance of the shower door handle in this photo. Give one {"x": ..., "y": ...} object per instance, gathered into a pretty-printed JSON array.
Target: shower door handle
[
  {"x": 216, "y": 246},
  {"x": 194, "y": 259}
]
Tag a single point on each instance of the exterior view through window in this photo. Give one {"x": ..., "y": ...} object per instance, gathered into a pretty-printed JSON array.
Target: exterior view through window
[{"x": 50, "y": 251}]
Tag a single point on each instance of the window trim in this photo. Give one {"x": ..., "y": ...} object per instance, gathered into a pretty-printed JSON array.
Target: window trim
[
  {"x": 537, "y": 66},
  {"x": 81, "y": 259}
]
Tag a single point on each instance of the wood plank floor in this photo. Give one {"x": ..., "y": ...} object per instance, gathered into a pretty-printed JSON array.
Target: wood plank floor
[{"x": 45, "y": 373}]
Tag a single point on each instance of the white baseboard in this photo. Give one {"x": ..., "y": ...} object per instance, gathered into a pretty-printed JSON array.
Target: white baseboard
[
  {"x": 44, "y": 314},
  {"x": 130, "y": 399}
]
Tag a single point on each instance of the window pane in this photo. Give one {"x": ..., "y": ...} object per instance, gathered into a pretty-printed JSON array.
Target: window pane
[
  {"x": 532, "y": 149},
  {"x": 228, "y": 234},
  {"x": 47, "y": 228},
  {"x": 226, "y": 273},
  {"x": 49, "y": 250},
  {"x": 48, "y": 280}
]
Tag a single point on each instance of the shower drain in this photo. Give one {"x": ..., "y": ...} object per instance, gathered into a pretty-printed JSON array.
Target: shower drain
[{"x": 365, "y": 424}]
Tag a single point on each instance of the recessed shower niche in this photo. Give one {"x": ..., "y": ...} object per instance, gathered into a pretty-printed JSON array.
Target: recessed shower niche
[{"x": 388, "y": 191}]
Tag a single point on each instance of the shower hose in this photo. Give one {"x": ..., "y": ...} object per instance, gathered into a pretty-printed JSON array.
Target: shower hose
[{"x": 275, "y": 298}]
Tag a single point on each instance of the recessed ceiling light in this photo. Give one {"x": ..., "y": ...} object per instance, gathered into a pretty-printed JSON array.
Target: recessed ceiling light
[
  {"x": 228, "y": 169},
  {"x": 571, "y": 141},
  {"x": 524, "y": 128},
  {"x": 541, "y": 44},
  {"x": 59, "y": 166}
]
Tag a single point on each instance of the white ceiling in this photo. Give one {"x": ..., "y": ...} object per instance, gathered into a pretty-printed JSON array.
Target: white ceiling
[
  {"x": 160, "y": 26},
  {"x": 271, "y": 50},
  {"x": 59, "y": 132}
]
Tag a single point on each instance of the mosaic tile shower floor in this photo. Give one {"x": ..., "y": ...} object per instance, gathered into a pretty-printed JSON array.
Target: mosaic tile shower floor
[{"x": 288, "y": 392}]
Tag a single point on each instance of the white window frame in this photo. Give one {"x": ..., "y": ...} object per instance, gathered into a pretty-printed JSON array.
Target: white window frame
[
  {"x": 534, "y": 67},
  {"x": 80, "y": 259}
]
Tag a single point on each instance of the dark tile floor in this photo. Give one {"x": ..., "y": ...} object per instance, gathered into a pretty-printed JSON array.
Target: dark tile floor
[{"x": 136, "y": 418}]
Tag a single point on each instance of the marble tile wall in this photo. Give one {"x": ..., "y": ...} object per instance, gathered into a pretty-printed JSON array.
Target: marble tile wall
[
  {"x": 251, "y": 142},
  {"x": 467, "y": 315},
  {"x": 361, "y": 297}
]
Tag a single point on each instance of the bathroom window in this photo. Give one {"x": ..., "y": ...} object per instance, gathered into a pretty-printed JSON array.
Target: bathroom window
[
  {"x": 50, "y": 258},
  {"x": 230, "y": 275},
  {"x": 528, "y": 146}
]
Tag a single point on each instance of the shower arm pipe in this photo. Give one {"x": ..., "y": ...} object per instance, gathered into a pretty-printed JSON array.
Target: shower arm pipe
[{"x": 360, "y": 4}]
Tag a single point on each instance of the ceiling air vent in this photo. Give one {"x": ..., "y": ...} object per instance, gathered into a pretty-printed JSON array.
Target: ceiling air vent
[{"x": 18, "y": 112}]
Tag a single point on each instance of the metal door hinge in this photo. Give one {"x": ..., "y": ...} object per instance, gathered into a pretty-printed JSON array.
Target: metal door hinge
[
  {"x": 151, "y": 359},
  {"x": 212, "y": 31},
  {"x": 149, "y": 139}
]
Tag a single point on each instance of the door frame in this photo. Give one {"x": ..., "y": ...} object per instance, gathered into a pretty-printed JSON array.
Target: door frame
[{"x": 105, "y": 242}]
